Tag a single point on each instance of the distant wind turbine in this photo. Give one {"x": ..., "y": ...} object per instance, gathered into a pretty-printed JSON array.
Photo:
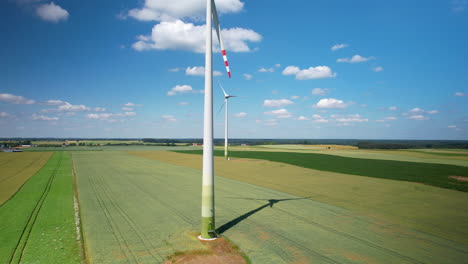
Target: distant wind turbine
[
  {"x": 207, "y": 208},
  {"x": 226, "y": 120}
]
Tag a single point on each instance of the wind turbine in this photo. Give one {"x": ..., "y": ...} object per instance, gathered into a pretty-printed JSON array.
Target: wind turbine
[
  {"x": 207, "y": 208},
  {"x": 226, "y": 121}
]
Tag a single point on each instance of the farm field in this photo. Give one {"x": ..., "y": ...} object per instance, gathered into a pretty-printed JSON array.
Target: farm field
[
  {"x": 16, "y": 169},
  {"x": 460, "y": 158},
  {"x": 137, "y": 209},
  {"x": 37, "y": 223}
]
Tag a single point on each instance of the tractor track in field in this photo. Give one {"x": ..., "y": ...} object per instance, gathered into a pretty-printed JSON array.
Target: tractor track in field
[
  {"x": 127, "y": 218},
  {"x": 138, "y": 231},
  {"x": 20, "y": 247}
]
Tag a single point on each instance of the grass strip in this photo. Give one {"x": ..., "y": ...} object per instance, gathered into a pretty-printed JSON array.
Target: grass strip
[
  {"x": 38, "y": 222},
  {"x": 427, "y": 173}
]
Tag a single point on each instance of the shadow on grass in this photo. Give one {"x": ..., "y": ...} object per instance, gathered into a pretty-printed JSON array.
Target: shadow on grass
[{"x": 241, "y": 218}]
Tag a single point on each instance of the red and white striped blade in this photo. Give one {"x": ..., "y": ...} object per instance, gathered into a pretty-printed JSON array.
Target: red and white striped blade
[{"x": 218, "y": 32}]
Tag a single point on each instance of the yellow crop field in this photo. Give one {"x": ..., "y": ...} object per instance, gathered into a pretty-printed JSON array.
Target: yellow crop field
[{"x": 17, "y": 168}]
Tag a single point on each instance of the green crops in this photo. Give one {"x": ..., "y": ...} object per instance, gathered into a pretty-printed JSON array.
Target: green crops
[{"x": 427, "y": 173}]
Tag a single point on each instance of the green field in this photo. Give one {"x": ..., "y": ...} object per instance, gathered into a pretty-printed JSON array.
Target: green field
[
  {"x": 37, "y": 223},
  {"x": 142, "y": 205},
  {"x": 16, "y": 169},
  {"x": 432, "y": 174}
]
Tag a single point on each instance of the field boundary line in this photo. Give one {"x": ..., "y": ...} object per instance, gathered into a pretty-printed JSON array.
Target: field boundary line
[
  {"x": 78, "y": 223},
  {"x": 13, "y": 195},
  {"x": 23, "y": 239}
]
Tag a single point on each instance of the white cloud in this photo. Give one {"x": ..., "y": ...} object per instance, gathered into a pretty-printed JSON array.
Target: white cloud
[
  {"x": 177, "y": 35},
  {"x": 127, "y": 109},
  {"x": 392, "y": 108},
  {"x": 318, "y": 72},
  {"x": 461, "y": 94},
  {"x": 15, "y": 99},
  {"x": 339, "y": 46},
  {"x": 352, "y": 118},
  {"x": 101, "y": 116},
  {"x": 378, "y": 69},
  {"x": 319, "y": 119},
  {"x": 179, "y": 89},
  {"x": 452, "y": 126},
  {"x": 241, "y": 114},
  {"x": 355, "y": 59},
  {"x": 52, "y": 12},
  {"x": 420, "y": 111},
  {"x": 130, "y": 113},
  {"x": 319, "y": 91},
  {"x": 73, "y": 108},
  {"x": 99, "y": 109},
  {"x": 302, "y": 118},
  {"x": 266, "y": 70},
  {"x": 130, "y": 104},
  {"x": 331, "y": 103},
  {"x": 277, "y": 103},
  {"x": 199, "y": 71},
  {"x": 277, "y": 65},
  {"x": 44, "y": 118},
  {"x": 418, "y": 117},
  {"x": 269, "y": 122},
  {"x": 390, "y": 118},
  {"x": 169, "y": 118},
  {"x": 164, "y": 10},
  {"x": 174, "y": 70},
  {"x": 248, "y": 76},
  {"x": 4, "y": 114},
  {"x": 280, "y": 113},
  {"x": 295, "y": 97},
  {"x": 54, "y": 102},
  {"x": 183, "y": 103}
]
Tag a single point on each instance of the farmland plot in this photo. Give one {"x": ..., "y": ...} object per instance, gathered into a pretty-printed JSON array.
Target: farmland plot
[
  {"x": 137, "y": 210},
  {"x": 16, "y": 168},
  {"x": 37, "y": 224}
]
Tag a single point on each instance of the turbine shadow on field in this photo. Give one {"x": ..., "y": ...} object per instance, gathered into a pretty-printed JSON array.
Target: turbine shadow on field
[{"x": 241, "y": 218}]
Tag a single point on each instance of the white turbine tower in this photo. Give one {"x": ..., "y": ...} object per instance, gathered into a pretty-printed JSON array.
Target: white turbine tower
[
  {"x": 226, "y": 121},
  {"x": 207, "y": 208}
]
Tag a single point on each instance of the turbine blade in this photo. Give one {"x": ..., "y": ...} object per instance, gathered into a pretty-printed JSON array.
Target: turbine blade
[
  {"x": 221, "y": 108},
  {"x": 220, "y": 39},
  {"x": 222, "y": 88}
]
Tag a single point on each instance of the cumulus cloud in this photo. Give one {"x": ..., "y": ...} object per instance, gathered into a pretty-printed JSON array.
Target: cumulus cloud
[
  {"x": 168, "y": 10},
  {"x": 72, "y": 108},
  {"x": 241, "y": 114},
  {"x": 54, "y": 102},
  {"x": 461, "y": 94},
  {"x": 248, "y": 77},
  {"x": 266, "y": 70},
  {"x": 419, "y": 111},
  {"x": 52, "y": 12},
  {"x": 100, "y": 116},
  {"x": 378, "y": 69},
  {"x": 44, "y": 118},
  {"x": 277, "y": 103},
  {"x": 180, "y": 89},
  {"x": 319, "y": 119},
  {"x": 355, "y": 59},
  {"x": 331, "y": 103},
  {"x": 319, "y": 91},
  {"x": 177, "y": 35},
  {"x": 15, "y": 99},
  {"x": 318, "y": 72},
  {"x": 352, "y": 118},
  {"x": 280, "y": 113},
  {"x": 295, "y": 97},
  {"x": 418, "y": 117},
  {"x": 130, "y": 104},
  {"x": 339, "y": 46},
  {"x": 302, "y": 118},
  {"x": 392, "y": 108},
  {"x": 199, "y": 71},
  {"x": 169, "y": 118},
  {"x": 127, "y": 109}
]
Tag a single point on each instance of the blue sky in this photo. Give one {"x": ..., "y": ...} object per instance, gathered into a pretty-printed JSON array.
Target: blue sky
[{"x": 303, "y": 69}]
